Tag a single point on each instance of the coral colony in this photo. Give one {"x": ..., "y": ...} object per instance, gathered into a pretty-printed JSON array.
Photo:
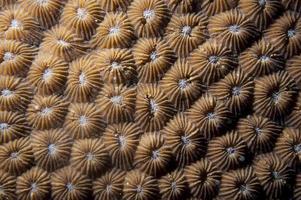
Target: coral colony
[{"x": 150, "y": 99}]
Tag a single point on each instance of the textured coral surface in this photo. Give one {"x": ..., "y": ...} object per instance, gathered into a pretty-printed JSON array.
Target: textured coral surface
[{"x": 150, "y": 99}]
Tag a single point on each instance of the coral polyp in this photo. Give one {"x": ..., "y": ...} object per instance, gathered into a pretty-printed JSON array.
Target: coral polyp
[
  {"x": 82, "y": 16},
  {"x": 48, "y": 74},
  {"x": 115, "y": 31},
  {"x": 116, "y": 66},
  {"x": 15, "y": 57},
  {"x": 259, "y": 133},
  {"x": 186, "y": 142},
  {"x": 63, "y": 42},
  {"x": 234, "y": 28},
  {"x": 84, "y": 120},
  {"x": 212, "y": 61},
  {"x": 51, "y": 148},
  {"x": 148, "y": 17},
  {"x": 13, "y": 125},
  {"x": 203, "y": 179},
  {"x": 153, "y": 155},
  {"x": 109, "y": 186},
  {"x": 181, "y": 84},
  {"x": 83, "y": 81},
  {"x": 285, "y": 33},
  {"x": 15, "y": 93},
  {"x": 8, "y": 186},
  {"x": 184, "y": 33},
  {"x": 228, "y": 151},
  {"x": 262, "y": 12},
  {"x": 274, "y": 95},
  {"x": 45, "y": 12},
  {"x": 153, "y": 109},
  {"x": 153, "y": 57},
  {"x": 240, "y": 184},
  {"x": 173, "y": 185},
  {"x": 274, "y": 175},
  {"x": 139, "y": 185},
  {"x": 16, "y": 24},
  {"x": 236, "y": 90},
  {"x": 261, "y": 58},
  {"x": 46, "y": 112},
  {"x": 33, "y": 184},
  {"x": 209, "y": 115},
  {"x": 16, "y": 156},
  {"x": 68, "y": 183},
  {"x": 89, "y": 156},
  {"x": 288, "y": 146},
  {"x": 121, "y": 141},
  {"x": 117, "y": 103}
]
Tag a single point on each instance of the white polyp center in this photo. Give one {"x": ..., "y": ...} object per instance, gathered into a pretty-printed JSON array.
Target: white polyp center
[
  {"x": 83, "y": 120},
  {"x": 139, "y": 189},
  {"x": 6, "y": 92},
  {"x": 264, "y": 58},
  {"x": 14, "y": 155},
  {"x": 185, "y": 140},
  {"x": 297, "y": 148},
  {"x": 46, "y": 111},
  {"x": 4, "y": 126},
  {"x": 291, "y": 33},
  {"x": 47, "y": 74},
  {"x": 173, "y": 185},
  {"x": 82, "y": 13},
  {"x": 213, "y": 59},
  {"x": 243, "y": 188},
  {"x": 186, "y": 30},
  {"x": 153, "y": 56},
  {"x": 15, "y": 23},
  {"x": 51, "y": 149},
  {"x": 153, "y": 106},
  {"x": 90, "y": 156},
  {"x": 82, "y": 79},
  {"x": 70, "y": 187},
  {"x": 155, "y": 154},
  {"x": 116, "y": 100},
  {"x": 211, "y": 115},
  {"x": 34, "y": 187},
  {"x": 109, "y": 188},
  {"x": 276, "y": 97},
  {"x": 276, "y": 175},
  {"x": 115, "y": 65},
  {"x": 8, "y": 56},
  {"x": 234, "y": 28},
  {"x": 230, "y": 150},
  {"x": 258, "y": 131},
  {"x": 182, "y": 84},
  {"x": 63, "y": 43},
  {"x": 114, "y": 30},
  {"x": 262, "y": 2},
  {"x": 121, "y": 141},
  {"x": 236, "y": 91},
  {"x": 148, "y": 14}
]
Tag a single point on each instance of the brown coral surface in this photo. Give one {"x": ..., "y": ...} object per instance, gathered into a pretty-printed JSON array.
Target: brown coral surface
[{"x": 150, "y": 99}]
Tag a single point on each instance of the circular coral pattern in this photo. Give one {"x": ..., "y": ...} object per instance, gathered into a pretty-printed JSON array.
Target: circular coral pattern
[{"x": 150, "y": 99}]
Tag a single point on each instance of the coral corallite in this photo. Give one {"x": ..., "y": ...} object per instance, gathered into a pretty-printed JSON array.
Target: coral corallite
[
  {"x": 121, "y": 141},
  {"x": 68, "y": 183},
  {"x": 33, "y": 184},
  {"x": 51, "y": 148}
]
